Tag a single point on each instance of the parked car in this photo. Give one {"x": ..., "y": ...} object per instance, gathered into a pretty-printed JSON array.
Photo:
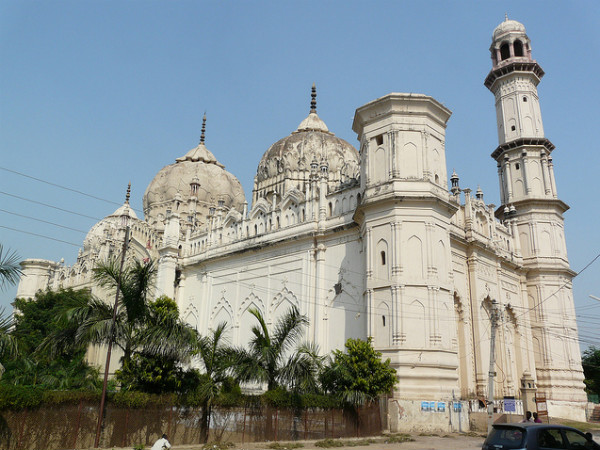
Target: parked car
[{"x": 535, "y": 436}]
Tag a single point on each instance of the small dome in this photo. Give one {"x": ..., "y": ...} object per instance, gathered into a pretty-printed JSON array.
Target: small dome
[
  {"x": 286, "y": 164},
  {"x": 111, "y": 227},
  {"x": 508, "y": 26},
  {"x": 191, "y": 186}
]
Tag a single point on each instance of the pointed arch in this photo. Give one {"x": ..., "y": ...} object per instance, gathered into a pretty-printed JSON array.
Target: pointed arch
[
  {"x": 281, "y": 303},
  {"x": 414, "y": 248}
]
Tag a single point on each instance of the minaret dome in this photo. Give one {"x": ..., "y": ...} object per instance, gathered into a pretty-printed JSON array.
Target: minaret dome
[{"x": 510, "y": 43}]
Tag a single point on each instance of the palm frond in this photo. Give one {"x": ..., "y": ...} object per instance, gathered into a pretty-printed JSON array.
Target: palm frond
[{"x": 10, "y": 270}]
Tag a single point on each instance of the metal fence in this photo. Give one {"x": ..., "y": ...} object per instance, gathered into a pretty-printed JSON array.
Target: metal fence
[{"x": 73, "y": 426}]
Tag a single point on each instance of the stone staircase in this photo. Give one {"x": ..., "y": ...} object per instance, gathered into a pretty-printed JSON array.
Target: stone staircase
[{"x": 595, "y": 417}]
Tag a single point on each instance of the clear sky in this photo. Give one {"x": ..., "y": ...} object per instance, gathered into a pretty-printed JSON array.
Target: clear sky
[{"x": 94, "y": 94}]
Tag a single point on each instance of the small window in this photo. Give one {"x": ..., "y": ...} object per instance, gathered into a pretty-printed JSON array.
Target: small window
[
  {"x": 517, "y": 166},
  {"x": 383, "y": 320},
  {"x": 525, "y": 99},
  {"x": 379, "y": 139},
  {"x": 513, "y": 128},
  {"x": 383, "y": 258},
  {"x": 330, "y": 209}
]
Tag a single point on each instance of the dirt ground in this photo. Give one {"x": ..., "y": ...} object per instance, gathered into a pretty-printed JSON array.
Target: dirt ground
[{"x": 451, "y": 441}]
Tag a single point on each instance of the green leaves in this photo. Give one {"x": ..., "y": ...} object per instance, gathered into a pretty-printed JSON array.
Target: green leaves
[
  {"x": 358, "y": 375},
  {"x": 591, "y": 369},
  {"x": 10, "y": 270},
  {"x": 267, "y": 360}
]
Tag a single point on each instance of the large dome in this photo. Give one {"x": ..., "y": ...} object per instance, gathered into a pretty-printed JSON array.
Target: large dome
[
  {"x": 190, "y": 187},
  {"x": 286, "y": 164}
]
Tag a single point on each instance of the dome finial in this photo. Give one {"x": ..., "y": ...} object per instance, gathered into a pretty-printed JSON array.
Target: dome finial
[
  {"x": 202, "y": 135},
  {"x": 313, "y": 99},
  {"x": 505, "y": 17},
  {"x": 128, "y": 194}
]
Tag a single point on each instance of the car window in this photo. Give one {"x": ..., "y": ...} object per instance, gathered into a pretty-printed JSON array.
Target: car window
[
  {"x": 550, "y": 439},
  {"x": 505, "y": 438},
  {"x": 577, "y": 441}
]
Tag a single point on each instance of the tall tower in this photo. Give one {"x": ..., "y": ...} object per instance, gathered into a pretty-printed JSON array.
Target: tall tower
[
  {"x": 404, "y": 216},
  {"x": 530, "y": 201}
]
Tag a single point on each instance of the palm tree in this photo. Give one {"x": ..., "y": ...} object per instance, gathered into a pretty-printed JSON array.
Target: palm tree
[
  {"x": 10, "y": 271},
  {"x": 8, "y": 343},
  {"x": 216, "y": 359},
  {"x": 265, "y": 361},
  {"x": 138, "y": 327}
]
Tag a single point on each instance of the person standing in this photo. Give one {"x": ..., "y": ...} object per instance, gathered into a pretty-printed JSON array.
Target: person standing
[
  {"x": 526, "y": 419},
  {"x": 162, "y": 443}
]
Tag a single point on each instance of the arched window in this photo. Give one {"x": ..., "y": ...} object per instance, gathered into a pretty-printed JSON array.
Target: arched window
[
  {"x": 383, "y": 320},
  {"x": 383, "y": 258},
  {"x": 330, "y": 209},
  {"x": 437, "y": 179},
  {"x": 518, "y": 46},
  {"x": 504, "y": 51}
]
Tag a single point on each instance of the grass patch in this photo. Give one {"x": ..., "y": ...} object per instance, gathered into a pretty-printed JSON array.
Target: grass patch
[
  {"x": 429, "y": 434},
  {"x": 448, "y": 436},
  {"x": 397, "y": 438},
  {"x": 359, "y": 442},
  {"x": 284, "y": 445},
  {"x": 582, "y": 426},
  {"x": 218, "y": 446},
  {"x": 473, "y": 434},
  {"x": 329, "y": 443}
]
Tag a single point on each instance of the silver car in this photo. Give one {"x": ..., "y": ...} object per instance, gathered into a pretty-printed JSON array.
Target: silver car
[{"x": 535, "y": 436}]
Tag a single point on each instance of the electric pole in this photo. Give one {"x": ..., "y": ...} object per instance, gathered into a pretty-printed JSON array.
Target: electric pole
[
  {"x": 494, "y": 318},
  {"x": 125, "y": 223}
]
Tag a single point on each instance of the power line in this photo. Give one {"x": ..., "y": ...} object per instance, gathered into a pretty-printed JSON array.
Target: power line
[
  {"x": 40, "y": 235},
  {"x": 49, "y": 206},
  {"x": 43, "y": 221},
  {"x": 63, "y": 187}
]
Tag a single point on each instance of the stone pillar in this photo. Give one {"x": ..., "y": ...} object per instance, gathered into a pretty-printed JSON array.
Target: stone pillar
[
  {"x": 528, "y": 390},
  {"x": 551, "y": 173},
  {"x": 503, "y": 199},
  {"x": 545, "y": 175},
  {"x": 508, "y": 180}
]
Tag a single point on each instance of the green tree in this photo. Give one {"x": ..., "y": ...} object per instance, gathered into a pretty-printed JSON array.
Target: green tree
[
  {"x": 36, "y": 366},
  {"x": 216, "y": 359},
  {"x": 358, "y": 375},
  {"x": 591, "y": 369},
  {"x": 8, "y": 344},
  {"x": 268, "y": 359},
  {"x": 139, "y": 328},
  {"x": 10, "y": 271},
  {"x": 157, "y": 368}
]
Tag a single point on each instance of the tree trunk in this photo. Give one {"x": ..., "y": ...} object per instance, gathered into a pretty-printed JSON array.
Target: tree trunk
[{"x": 205, "y": 423}]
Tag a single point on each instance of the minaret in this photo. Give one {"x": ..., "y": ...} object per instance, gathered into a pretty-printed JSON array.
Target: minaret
[{"x": 529, "y": 197}]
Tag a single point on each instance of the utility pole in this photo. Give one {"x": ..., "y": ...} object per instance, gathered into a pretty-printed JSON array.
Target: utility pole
[
  {"x": 495, "y": 318},
  {"x": 124, "y": 222}
]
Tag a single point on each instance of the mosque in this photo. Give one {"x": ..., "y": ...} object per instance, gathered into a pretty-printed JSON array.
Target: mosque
[{"x": 371, "y": 242}]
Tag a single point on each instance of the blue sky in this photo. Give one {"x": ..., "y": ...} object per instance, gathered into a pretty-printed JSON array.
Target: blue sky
[{"x": 94, "y": 94}]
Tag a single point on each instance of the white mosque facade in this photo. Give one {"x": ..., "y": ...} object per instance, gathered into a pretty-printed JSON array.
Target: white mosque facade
[{"x": 371, "y": 242}]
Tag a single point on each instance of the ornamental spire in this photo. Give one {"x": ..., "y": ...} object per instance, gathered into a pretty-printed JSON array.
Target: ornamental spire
[
  {"x": 128, "y": 194},
  {"x": 202, "y": 135},
  {"x": 313, "y": 99}
]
